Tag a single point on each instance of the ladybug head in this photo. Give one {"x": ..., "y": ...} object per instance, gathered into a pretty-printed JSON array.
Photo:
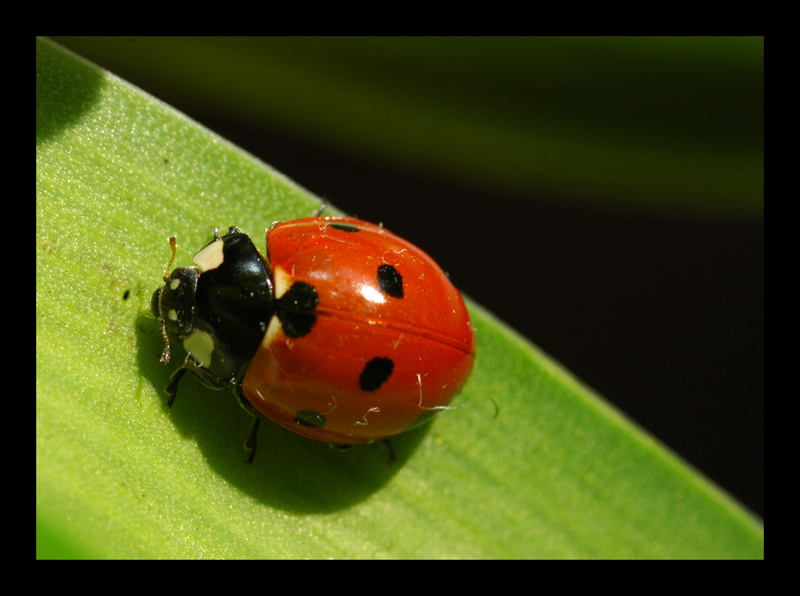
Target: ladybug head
[{"x": 173, "y": 303}]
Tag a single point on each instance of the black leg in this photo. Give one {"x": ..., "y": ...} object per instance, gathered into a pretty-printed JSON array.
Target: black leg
[
  {"x": 390, "y": 447},
  {"x": 172, "y": 388},
  {"x": 250, "y": 443}
]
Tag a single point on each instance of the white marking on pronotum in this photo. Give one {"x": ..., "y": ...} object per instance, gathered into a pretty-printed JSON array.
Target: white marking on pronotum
[
  {"x": 210, "y": 257},
  {"x": 201, "y": 344}
]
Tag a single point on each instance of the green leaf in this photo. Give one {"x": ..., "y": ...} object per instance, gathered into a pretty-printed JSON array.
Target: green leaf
[{"x": 530, "y": 463}]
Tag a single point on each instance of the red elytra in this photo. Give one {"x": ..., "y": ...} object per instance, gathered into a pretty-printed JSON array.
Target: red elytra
[{"x": 414, "y": 331}]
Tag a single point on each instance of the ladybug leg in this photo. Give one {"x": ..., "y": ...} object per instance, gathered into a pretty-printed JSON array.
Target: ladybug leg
[
  {"x": 321, "y": 210},
  {"x": 250, "y": 443},
  {"x": 390, "y": 447},
  {"x": 188, "y": 364},
  {"x": 192, "y": 365},
  {"x": 172, "y": 388}
]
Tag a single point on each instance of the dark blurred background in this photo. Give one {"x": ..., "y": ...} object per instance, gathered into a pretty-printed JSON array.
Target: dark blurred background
[{"x": 659, "y": 310}]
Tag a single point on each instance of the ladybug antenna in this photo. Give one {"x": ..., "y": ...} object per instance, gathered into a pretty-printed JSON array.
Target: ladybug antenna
[
  {"x": 173, "y": 244},
  {"x": 165, "y": 354}
]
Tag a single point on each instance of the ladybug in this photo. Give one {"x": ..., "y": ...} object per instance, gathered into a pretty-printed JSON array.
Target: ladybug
[{"x": 343, "y": 332}]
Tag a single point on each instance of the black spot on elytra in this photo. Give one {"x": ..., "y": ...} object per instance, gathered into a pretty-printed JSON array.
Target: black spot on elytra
[
  {"x": 295, "y": 309},
  {"x": 344, "y": 227},
  {"x": 310, "y": 418},
  {"x": 391, "y": 281},
  {"x": 376, "y": 372}
]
